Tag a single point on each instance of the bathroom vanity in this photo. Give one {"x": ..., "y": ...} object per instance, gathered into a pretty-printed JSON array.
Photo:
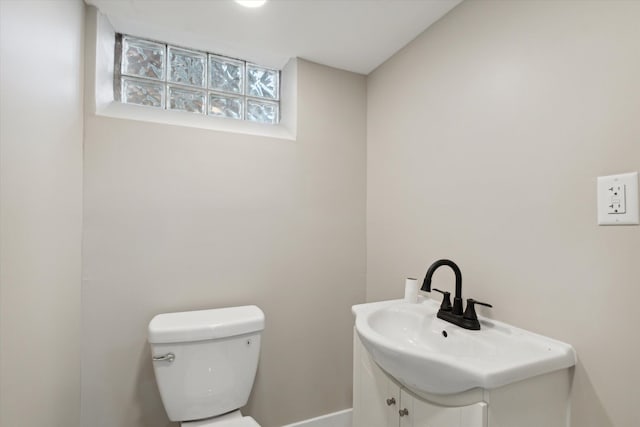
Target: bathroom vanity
[{"x": 414, "y": 370}]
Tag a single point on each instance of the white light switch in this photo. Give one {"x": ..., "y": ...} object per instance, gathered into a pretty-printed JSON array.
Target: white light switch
[{"x": 618, "y": 199}]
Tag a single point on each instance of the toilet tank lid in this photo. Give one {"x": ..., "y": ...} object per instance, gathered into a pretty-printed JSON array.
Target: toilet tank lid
[{"x": 205, "y": 324}]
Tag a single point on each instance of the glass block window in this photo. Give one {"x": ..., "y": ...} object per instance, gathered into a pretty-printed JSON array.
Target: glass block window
[
  {"x": 187, "y": 67},
  {"x": 169, "y": 77},
  {"x": 262, "y": 82},
  {"x": 226, "y": 75}
]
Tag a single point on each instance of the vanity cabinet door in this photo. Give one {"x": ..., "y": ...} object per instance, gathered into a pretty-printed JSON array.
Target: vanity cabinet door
[
  {"x": 425, "y": 414},
  {"x": 376, "y": 399}
]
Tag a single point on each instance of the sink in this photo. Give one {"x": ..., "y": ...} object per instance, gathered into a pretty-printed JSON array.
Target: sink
[{"x": 427, "y": 354}]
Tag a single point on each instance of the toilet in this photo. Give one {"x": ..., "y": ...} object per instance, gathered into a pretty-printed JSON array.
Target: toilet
[{"x": 205, "y": 363}]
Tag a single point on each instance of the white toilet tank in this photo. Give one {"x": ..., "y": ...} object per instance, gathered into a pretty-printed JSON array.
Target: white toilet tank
[{"x": 205, "y": 361}]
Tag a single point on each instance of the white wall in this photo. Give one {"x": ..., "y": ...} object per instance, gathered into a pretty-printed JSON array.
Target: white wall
[
  {"x": 485, "y": 137},
  {"x": 179, "y": 218},
  {"x": 40, "y": 212}
]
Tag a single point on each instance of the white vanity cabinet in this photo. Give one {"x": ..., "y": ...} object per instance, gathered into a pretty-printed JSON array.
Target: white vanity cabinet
[{"x": 380, "y": 401}]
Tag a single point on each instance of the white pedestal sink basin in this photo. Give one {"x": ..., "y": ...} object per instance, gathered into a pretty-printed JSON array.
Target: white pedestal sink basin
[{"x": 427, "y": 354}]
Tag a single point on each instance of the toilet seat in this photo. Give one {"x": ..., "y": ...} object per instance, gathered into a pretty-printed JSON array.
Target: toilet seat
[
  {"x": 224, "y": 421},
  {"x": 237, "y": 422}
]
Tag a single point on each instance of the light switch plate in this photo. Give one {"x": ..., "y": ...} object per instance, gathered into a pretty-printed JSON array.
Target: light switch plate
[{"x": 618, "y": 199}]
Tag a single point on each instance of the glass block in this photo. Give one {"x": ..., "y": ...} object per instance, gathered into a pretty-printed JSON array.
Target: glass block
[
  {"x": 262, "y": 82},
  {"x": 142, "y": 93},
  {"x": 187, "y": 67},
  {"x": 186, "y": 100},
  {"x": 225, "y": 106},
  {"x": 262, "y": 111},
  {"x": 142, "y": 58},
  {"x": 225, "y": 74}
]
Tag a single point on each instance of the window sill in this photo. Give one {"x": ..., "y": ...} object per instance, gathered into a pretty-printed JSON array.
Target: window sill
[{"x": 181, "y": 118}]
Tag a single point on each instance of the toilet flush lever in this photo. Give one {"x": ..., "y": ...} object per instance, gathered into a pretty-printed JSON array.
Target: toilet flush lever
[{"x": 169, "y": 357}]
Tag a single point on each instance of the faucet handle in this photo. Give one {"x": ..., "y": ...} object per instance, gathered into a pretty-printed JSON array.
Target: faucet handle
[
  {"x": 470, "y": 312},
  {"x": 446, "y": 300}
]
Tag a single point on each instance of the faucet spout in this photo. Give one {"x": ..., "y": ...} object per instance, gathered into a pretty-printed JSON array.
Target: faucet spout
[{"x": 426, "y": 284}]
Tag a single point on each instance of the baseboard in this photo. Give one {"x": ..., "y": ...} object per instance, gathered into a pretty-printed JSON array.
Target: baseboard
[{"x": 335, "y": 419}]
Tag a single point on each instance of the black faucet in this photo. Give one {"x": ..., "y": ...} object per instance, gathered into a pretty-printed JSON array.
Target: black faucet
[
  {"x": 468, "y": 320},
  {"x": 426, "y": 284}
]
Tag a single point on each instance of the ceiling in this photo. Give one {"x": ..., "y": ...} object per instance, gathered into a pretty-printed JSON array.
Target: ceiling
[{"x": 354, "y": 35}]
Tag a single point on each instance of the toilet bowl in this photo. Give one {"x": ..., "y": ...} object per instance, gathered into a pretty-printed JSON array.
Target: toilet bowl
[{"x": 205, "y": 364}]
